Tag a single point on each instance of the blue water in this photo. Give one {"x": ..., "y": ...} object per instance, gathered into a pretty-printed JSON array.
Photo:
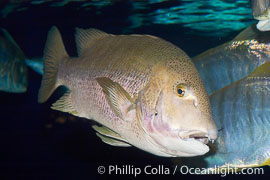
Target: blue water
[{"x": 37, "y": 142}]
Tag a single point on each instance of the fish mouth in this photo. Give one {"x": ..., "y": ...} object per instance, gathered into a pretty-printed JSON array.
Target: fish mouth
[
  {"x": 200, "y": 136},
  {"x": 186, "y": 144}
]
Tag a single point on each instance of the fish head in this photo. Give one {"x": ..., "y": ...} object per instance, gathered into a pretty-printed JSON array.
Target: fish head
[{"x": 175, "y": 112}]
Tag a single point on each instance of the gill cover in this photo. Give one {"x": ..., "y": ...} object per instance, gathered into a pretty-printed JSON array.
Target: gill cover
[{"x": 165, "y": 139}]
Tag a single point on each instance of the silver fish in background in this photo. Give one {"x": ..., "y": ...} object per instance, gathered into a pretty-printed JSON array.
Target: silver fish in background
[
  {"x": 242, "y": 113},
  {"x": 145, "y": 91},
  {"x": 13, "y": 70},
  {"x": 261, "y": 12},
  {"x": 234, "y": 60}
]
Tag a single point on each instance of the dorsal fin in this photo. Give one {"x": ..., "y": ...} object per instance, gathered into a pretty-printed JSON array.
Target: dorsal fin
[
  {"x": 261, "y": 71},
  {"x": 251, "y": 33},
  {"x": 247, "y": 34},
  {"x": 84, "y": 37},
  {"x": 11, "y": 40}
]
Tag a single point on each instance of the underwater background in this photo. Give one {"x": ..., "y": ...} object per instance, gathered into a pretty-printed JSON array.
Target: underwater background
[{"x": 38, "y": 142}]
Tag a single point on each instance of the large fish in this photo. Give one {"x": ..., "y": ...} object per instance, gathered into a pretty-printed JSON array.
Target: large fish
[
  {"x": 13, "y": 70},
  {"x": 234, "y": 60},
  {"x": 242, "y": 113},
  {"x": 144, "y": 90}
]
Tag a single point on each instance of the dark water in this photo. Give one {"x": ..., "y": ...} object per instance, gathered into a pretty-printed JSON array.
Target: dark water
[{"x": 39, "y": 143}]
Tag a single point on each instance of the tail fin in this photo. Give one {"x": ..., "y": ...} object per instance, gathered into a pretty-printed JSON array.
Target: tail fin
[{"x": 54, "y": 52}]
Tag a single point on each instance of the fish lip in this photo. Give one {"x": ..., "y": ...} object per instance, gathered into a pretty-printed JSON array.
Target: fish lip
[
  {"x": 195, "y": 147},
  {"x": 197, "y": 135},
  {"x": 203, "y": 140},
  {"x": 170, "y": 153}
]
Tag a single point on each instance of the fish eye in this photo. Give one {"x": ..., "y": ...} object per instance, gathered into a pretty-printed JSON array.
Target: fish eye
[{"x": 180, "y": 90}]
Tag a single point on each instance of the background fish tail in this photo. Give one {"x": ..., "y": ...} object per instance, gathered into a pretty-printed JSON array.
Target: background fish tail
[{"x": 54, "y": 53}]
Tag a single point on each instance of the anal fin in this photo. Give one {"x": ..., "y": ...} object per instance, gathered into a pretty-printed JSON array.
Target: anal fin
[
  {"x": 110, "y": 137},
  {"x": 108, "y": 132},
  {"x": 64, "y": 104},
  {"x": 112, "y": 141}
]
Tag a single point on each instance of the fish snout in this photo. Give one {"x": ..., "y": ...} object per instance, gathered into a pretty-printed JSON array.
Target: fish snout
[{"x": 212, "y": 133}]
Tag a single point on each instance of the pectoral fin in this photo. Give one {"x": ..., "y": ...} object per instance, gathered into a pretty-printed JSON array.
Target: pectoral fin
[
  {"x": 119, "y": 100},
  {"x": 112, "y": 141}
]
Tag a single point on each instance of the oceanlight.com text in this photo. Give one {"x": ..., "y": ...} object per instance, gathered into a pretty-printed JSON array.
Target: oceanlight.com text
[
  {"x": 223, "y": 171},
  {"x": 177, "y": 170}
]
